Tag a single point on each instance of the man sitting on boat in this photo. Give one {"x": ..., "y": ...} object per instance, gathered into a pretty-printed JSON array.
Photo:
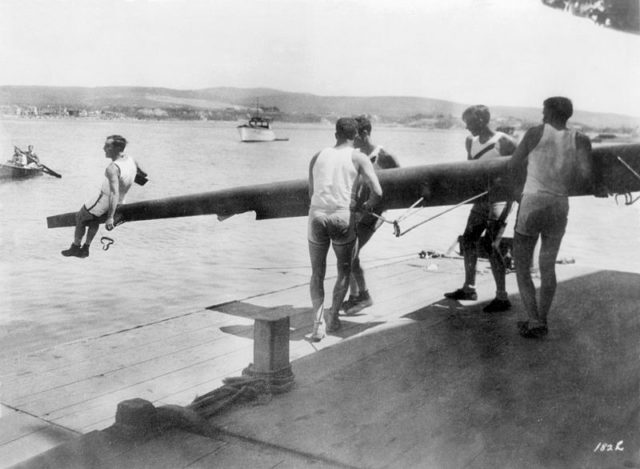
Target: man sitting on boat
[{"x": 119, "y": 177}]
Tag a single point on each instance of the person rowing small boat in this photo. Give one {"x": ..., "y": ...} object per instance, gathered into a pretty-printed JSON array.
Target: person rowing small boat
[{"x": 24, "y": 164}]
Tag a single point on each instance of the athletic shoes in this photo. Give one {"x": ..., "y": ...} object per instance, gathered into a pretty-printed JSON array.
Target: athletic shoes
[
  {"x": 462, "y": 294},
  {"x": 318, "y": 331},
  {"x": 76, "y": 251},
  {"x": 531, "y": 332},
  {"x": 349, "y": 303},
  {"x": 497, "y": 305},
  {"x": 362, "y": 301}
]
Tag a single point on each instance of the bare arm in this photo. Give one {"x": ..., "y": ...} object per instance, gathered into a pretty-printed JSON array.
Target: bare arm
[
  {"x": 467, "y": 145},
  {"x": 583, "y": 148},
  {"x": 365, "y": 169},
  {"x": 529, "y": 141},
  {"x": 518, "y": 163},
  {"x": 588, "y": 172},
  {"x": 506, "y": 146},
  {"x": 311, "y": 164},
  {"x": 114, "y": 194},
  {"x": 387, "y": 161}
]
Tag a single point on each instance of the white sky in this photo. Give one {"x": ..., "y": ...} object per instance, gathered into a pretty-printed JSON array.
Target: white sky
[{"x": 511, "y": 52}]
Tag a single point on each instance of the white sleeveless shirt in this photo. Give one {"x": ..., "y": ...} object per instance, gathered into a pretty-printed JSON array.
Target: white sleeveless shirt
[
  {"x": 551, "y": 164},
  {"x": 127, "y": 170},
  {"x": 477, "y": 147},
  {"x": 334, "y": 177}
]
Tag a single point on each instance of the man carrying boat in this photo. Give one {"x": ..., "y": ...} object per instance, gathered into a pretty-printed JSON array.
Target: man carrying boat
[
  {"x": 486, "y": 216},
  {"x": 556, "y": 159},
  {"x": 366, "y": 223},
  {"x": 333, "y": 173},
  {"x": 119, "y": 177}
]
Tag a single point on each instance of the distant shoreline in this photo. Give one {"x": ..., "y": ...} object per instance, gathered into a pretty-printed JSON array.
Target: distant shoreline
[{"x": 598, "y": 135}]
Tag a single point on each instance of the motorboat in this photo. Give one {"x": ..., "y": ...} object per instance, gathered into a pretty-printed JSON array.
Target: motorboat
[{"x": 258, "y": 129}]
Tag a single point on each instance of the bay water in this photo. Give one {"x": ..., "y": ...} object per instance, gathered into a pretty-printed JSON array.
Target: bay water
[{"x": 163, "y": 268}]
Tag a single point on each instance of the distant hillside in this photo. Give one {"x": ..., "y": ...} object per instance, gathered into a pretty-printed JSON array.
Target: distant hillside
[{"x": 390, "y": 108}]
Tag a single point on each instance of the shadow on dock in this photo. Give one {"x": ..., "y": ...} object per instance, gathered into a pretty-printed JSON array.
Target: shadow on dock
[{"x": 443, "y": 386}]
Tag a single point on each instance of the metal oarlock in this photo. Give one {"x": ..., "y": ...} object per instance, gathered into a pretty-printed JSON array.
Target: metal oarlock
[{"x": 106, "y": 242}]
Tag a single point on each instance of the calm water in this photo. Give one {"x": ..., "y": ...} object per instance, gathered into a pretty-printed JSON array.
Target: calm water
[{"x": 159, "y": 269}]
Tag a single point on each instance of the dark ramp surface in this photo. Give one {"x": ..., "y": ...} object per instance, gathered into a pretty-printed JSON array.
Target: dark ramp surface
[
  {"x": 444, "y": 386},
  {"x": 467, "y": 391}
]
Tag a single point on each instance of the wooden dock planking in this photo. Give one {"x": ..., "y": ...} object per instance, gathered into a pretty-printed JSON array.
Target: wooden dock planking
[
  {"x": 119, "y": 358},
  {"x": 151, "y": 368},
  {"x": 95, "y": 349}
]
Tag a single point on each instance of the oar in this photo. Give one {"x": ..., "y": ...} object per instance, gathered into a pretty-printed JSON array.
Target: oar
[{"x": 50, "y": 171}]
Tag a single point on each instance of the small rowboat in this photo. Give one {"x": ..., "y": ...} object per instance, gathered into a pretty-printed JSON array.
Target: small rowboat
[{"x": 11, "y": 170}]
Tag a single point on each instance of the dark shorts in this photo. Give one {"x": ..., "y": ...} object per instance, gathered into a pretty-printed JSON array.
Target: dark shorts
[
  {"x": 479, "y": 224},
  {"x": 368, "y": 222},
  {"x": 542, "y": 214},
  {"x": 495, "y": 211},
  {"x": 337, "y": 227},
  {"x": 86, "y": 217}
]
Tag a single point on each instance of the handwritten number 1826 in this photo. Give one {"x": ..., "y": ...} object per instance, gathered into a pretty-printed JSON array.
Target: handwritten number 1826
[{"x": 606, "y": 447}]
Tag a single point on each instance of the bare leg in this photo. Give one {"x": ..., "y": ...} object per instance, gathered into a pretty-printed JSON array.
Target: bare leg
[
  {"x": 523, "y": 247},
  {"x": 470, "y": 249},
  {"x": 91, "y": 232},
  {"x": 495, "y": 231},
  {"x": 344, "y": 255},
  {"x": 80, "y": 229},
  {"x": 548, "y": 255},
  {"x": 357, "y": 283},
  {"x": 499, "y": 272},
  {"x": 318, "y": 255}
]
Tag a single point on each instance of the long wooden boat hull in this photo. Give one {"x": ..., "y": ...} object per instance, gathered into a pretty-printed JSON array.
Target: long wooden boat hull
[
  {"x": 12, "y": 171},
  {"x": 437, "y": 184}
]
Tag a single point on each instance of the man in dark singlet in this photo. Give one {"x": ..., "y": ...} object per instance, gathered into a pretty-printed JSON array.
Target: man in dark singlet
[{"x": 366, "y": 223}]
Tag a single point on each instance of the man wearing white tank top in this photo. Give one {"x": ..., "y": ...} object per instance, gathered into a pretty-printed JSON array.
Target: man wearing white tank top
[
  {"x": 333, "y": 174},
  {"x": 557, "y": 159},
  {"x": 119, "y": 177}
]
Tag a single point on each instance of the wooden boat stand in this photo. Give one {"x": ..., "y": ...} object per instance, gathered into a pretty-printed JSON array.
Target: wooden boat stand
[{"x": 270, "y": 346}]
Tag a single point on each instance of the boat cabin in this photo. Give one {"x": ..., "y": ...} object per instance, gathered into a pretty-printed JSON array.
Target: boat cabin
[{"x": 259, "y": 122}]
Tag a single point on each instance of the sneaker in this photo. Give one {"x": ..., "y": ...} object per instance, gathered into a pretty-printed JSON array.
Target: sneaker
[
  {"x": 531, "y": 332},
  {"x": 318, "y": 331},
  {"x": 73, "y": 251},
  {"x": 462, "y": 294},
  {"x": 497, "y": 305},
  {"x": 349, "y": 303},
  {"x": 333, "y": 322},
  {"x": 362, "y": 301}
]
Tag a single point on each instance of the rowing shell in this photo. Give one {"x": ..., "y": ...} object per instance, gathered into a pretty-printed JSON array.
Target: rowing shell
[{"x": 434, "y": 185}]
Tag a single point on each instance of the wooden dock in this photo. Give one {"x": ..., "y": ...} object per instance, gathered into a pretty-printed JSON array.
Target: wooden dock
[{"x": 413, "y": 381}]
